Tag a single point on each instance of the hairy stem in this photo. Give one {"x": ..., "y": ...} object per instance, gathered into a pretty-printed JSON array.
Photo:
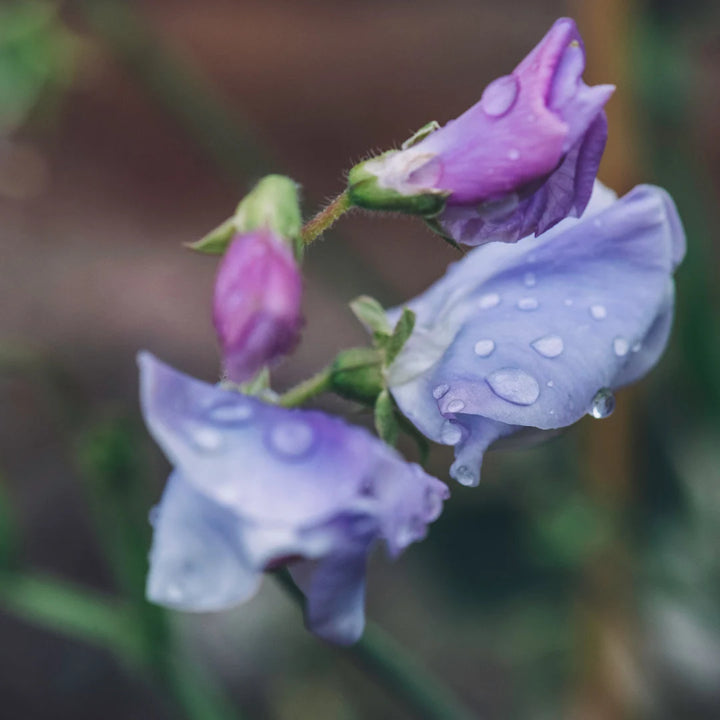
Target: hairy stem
[
  {"x": 316, "y": 226},
  {"x": 303, "y": 391}
]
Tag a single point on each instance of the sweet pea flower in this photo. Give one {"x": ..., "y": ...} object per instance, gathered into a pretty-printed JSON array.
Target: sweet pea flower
[
  {"x": 256, "y": 486},
  {"x": 533, "y": 336},
  {"x": 256, "y": 305},
  {"x": 517, "y": 162}
]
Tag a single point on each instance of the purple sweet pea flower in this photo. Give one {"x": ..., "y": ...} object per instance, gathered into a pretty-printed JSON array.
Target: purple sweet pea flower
[
  {"x": 256, "y": 486},
  {"x": 256, "y": 306},
  {"x": 517, "y": 162},
  {"x": 533, "y": 336}
]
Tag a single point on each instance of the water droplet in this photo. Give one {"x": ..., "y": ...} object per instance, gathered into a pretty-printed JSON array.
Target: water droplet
[
  {"x": 231, "y": 412},
  {"x": 549, "y": 346},
  {"x": 488, "y": 301},
  {"x": 440, "y": 390},
  {"x": 636, "y": 347},
  {"x": 599, "y": 312},
  {"x": 550, "y": 383},
  {"x": 621, "y": 346},
  {"x": 568, "y": 302},
  {"x": 514, "y": 385},
  {"x": 292, "y": 438},
  {"x": 484, "y": 348},
  {"x": 450, "y": 434},
  {"x": 204, "y": 438},
  {"x": 527, "y": 303},
  {"x": 465, "y": 476},
  {"x": 530, "y": 279},
  {"x": 499, "y": 96},
  {"x": 514, "y": 154},
  {"x": 602, "y": 404},
  {"x": 433, "y": 504},
  {"x": 455, "y": 406}
]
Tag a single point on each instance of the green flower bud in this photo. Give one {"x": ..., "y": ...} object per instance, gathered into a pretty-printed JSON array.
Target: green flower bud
[{"x": 357, "y": 375}]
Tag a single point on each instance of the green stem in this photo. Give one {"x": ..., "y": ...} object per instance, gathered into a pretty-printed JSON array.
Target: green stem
[
  {"x": 389, "y": 663},
  {"x": 302, "y": 392},
  {"x": 325, "y": 218}
]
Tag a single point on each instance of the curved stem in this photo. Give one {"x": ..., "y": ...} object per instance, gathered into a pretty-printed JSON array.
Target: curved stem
[
  {"x": 394, "y": 667},
  {"x": 303, "y": 391},
  {"x": 316, "y": 226}
]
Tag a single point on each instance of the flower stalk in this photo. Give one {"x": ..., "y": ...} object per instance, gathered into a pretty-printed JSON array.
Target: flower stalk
[{"x": 327, "y": 217}]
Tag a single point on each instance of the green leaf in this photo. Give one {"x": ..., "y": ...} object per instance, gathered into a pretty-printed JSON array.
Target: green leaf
[
  {"x": 421, "y": 134},
  {"x": 401, "y": 333},
  {"x": 357, "y": 375},
  {"x": 371, "y": 314},
  {"x": 386, "y": 422}
]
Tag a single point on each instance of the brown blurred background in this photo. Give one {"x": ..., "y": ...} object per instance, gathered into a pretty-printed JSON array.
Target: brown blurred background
[{"x": 150, "y": 121}]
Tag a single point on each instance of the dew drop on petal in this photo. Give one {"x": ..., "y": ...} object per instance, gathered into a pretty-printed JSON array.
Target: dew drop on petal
[
  {"x": 450, "y": 434},
  {"x": 621, "y": 346},
  {"x": 550, "y": 383},
  {"x": 636, "y": 347},
  {"x": 484, "y": 348},
  {"x": 499, "y": 96},
  {"x": 465, "y": 476},
  {"x": 549, "y": 346},
  {"x": 529, "y": 279},
  {"x": 204, "y": 438},
  {"x": 514, "y": 385},
  {"x": 440, "y": 390},
  {"x": 455, "y": 406},
  {"x": 231, "y": 412},
  {"x": 488, "y": 301},
  {"x": 602, "y": 404},
  {"x": 527, "y": 303},
  {"x": 292, "y": 438},
  {"x": 599, "y": 312}
]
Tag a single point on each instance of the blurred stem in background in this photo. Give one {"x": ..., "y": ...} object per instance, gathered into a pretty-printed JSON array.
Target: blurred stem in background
[{"x": 608, "y": 676}]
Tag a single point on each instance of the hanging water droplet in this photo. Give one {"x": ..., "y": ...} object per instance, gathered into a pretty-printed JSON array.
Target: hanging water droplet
[
  {"x": 455, "y": 406},
  {"x": 549, "y": 346},
  {"x": 231, "y": 412},
  {"x": 464, "y": 475},
  {"x": 203, "y": 437},
  {"x": 602, "y": 404},
  {"x": 529, "y": 279},
  {"x": 527, "y": 303},
  {"x": 513, "y": 154},
  {"x": 484, "y": 348},
  {"x": 499, "y": 96},
  {"x": 488, "y": 301},
  {"x": 440, "y": 390},
  {"x": 599, "y": 312},
  {"x": 292, "y": 438},
  {"x": 514, "y": 385},
  {"x": 450, "y": 434},
  {"x": 621, "y": 346}
]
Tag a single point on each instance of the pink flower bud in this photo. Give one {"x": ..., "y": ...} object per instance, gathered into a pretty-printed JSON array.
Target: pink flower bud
[{"x": 256, "y": 306}]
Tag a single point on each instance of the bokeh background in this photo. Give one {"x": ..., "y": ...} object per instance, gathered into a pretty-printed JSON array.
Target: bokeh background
[{"x": 581, "y": 580}]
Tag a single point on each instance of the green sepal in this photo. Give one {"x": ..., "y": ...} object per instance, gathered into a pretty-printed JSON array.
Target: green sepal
[
  {"x": 217, "y": 240},
  {"x": 371, "y": 314},
  {"x": 257, "y": 384},
  {"x": 435, "y": 226},
  {"x": 421, "y": 134},
  {"x": 400, "y": 335},
  {"x": 273, "y": 203},
  {"x": 386, "y": 422},
  {"x": 356, "y": 374},
  {"x": 364, "y": 191}
]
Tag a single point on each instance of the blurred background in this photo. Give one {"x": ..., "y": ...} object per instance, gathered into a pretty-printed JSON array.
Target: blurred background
[{"x": 580, "y": 581}]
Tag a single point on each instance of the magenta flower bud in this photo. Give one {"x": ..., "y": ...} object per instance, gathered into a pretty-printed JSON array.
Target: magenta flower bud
[
  {"x": 256, "y": 306},
  {"x": 517, "y": 162}
]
